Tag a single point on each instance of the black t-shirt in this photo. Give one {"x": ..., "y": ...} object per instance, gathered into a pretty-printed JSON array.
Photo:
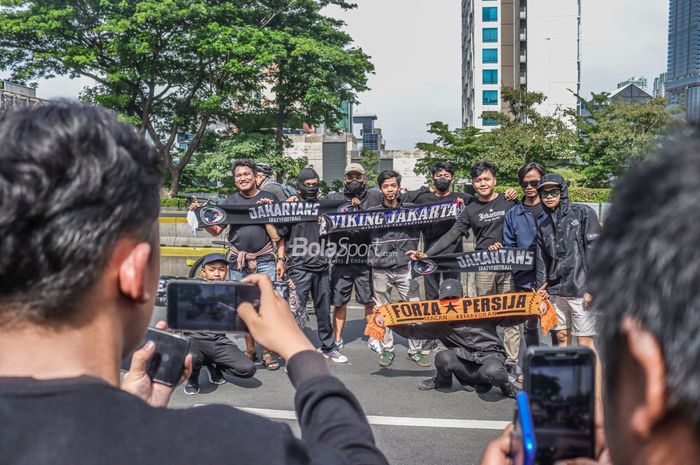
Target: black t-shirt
[
  {"x": 248, "y": 237},
  {"x": 485, "y": 219},
  {"x": 433, "y": 232},
  {"x": 304, "y": 247},
  {"x": 535, "y": 210}
]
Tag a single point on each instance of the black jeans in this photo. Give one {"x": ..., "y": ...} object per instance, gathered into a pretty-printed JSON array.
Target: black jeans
[
  {"x": 318, "y": 284},
  {"x": 491, "y": 370},
  {"x": 221, "y": 352}
]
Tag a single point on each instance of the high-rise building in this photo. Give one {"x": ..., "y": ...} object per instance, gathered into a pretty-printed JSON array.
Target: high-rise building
[
  {"x": 660, "y": 85},
  {"x": 370, "y": 136},
  {"x": 640, "y": 82},
  {"x": 683, "y": 73},
  {"x": 519, "y": 43}
]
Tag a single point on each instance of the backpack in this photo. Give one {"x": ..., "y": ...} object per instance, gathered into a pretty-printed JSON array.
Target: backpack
[{"x": 288, "y": 190}]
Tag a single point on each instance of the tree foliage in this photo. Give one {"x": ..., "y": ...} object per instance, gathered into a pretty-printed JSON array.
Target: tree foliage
[
  {"x": 176, "y": 67},
  {"x": 461, "y": 146},
  {"x": 370, "y": 162},
  {"x": 612, "y": 134}
]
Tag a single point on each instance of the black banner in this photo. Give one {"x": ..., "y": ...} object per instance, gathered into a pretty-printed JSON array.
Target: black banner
[
  {"x": 481, "y": 260},
  {"x": 273, "y": 213},
  {"x": 390, "y": 217}
]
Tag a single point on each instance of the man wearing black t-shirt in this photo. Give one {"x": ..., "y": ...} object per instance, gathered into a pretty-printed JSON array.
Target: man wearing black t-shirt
[
  {"x": 307, "y": 266},
  {"x": 484, "y": 217},
  {"x": 251, "y": 247},
  {"x": 65, "y": 328}
]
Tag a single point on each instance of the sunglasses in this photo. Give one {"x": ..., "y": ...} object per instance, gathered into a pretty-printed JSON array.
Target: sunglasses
[
  {"x": 526, "y": 184},
  {"x": 552, "y": 193}
]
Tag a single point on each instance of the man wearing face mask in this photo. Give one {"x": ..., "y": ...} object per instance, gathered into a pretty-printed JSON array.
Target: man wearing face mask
[
  {"x": 308, "y": 266},
  {"x": 350, "y": 269}
]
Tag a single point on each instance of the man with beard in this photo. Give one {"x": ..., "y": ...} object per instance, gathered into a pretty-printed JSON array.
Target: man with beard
[
  {"x": 351, "y": 271},
  {"x": 307, "y": 266},
  {"x": 391, "y": 264},
  {"x": 251, "y": 247}
]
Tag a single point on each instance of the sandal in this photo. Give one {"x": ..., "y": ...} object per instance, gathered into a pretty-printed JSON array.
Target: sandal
[{"x": 269, "y": 361}]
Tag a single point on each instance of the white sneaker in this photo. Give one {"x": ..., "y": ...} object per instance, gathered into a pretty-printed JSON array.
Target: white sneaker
[
  {"x": 335, "y": 356},
  {"x": 376, "y": 345}
]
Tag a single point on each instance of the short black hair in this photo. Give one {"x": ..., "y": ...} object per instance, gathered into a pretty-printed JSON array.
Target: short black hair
[
  {"x": 478, "y": 169},
  {"x": 73, "y": 181},
  {"x": 442, "y": 165},
  {"x": 243, "y": 162},
  {"x": 388, "y": 174},
  {"x": 645, "y": 266},
  {"x": 529, "y": 167}
]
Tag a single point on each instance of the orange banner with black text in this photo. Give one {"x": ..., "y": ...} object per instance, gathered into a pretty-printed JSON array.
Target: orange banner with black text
[{"x": 520, "y": 304}]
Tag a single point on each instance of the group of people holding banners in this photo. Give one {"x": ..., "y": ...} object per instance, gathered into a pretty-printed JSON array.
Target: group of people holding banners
[{"x": 529, "y": 259}]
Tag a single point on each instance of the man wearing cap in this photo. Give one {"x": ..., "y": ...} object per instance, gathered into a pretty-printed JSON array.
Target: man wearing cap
[
  {"x": 264, "y": 181},
  {"x": 215, "y": 351},
  {"x": 475, "y": 354},
  {"x": 349, "y": 267},
  {"x": 307, "y": 266},
  {"x": 565, "y": 240}
]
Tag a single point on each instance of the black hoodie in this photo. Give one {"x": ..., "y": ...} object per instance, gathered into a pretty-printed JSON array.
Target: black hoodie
[{"x": 565, "y": 239}]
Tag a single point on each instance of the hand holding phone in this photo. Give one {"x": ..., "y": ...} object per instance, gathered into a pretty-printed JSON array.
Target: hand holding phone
[{"x": 152, "y": 380}]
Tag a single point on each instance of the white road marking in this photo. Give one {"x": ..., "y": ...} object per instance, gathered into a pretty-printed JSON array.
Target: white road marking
[{"x": 391, "y": 421}]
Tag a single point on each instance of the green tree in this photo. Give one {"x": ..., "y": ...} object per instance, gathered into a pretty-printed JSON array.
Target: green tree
[
  {"x": 524, "y": 135},
  {"x": 175, "y": 67},
  {"x": 370, "y": 162},
  {"x": 611, "y": 135},
  {"x": 462, "y": 147},
  {"x": 215, "y": 165}
]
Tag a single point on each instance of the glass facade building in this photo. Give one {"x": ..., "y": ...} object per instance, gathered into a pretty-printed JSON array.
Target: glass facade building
[{"x": 683, "y": 73}]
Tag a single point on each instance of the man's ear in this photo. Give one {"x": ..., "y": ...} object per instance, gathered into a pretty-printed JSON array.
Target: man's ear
[
  {"x": 132, "y": 273},
  {"x": 645, "y": 351}
]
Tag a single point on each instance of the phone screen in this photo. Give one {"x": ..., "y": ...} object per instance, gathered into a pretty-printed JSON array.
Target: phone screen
[
  {"x": 208, "y": 306},
  {"x": 561, "y": 386}
]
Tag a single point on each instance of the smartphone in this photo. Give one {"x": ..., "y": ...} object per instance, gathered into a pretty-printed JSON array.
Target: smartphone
[
  {"x": 168, "y": 361},
  {"x": 560, "y": 383},
  {"x": 523, "y": 445},
  {"x": 195, "y": 305}
]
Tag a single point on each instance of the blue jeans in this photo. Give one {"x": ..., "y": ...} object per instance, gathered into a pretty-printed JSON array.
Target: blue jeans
[{"x": 265, "y": 266}]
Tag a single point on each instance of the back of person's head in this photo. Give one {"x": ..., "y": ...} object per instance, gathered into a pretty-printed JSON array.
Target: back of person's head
[
  {"x": 645, "y": 281},
  {"x": 481, "y": 167},
  {"x": 73, "y": 181}
]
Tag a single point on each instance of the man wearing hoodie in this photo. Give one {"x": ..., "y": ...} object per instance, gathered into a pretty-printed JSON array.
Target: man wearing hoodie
[
  {"x": 308, "y": 267},
  {"x": 565, "y": 239}
]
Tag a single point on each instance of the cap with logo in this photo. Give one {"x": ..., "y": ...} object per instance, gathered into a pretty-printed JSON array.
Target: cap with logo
[
  {"x": 451, "y": 289},
  {"x": 354, "y": 168}
]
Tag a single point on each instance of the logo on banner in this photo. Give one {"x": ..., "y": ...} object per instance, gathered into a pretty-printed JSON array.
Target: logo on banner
[
  {"x": 425, "y": 267},
  {"x": 212, "y": 216}
]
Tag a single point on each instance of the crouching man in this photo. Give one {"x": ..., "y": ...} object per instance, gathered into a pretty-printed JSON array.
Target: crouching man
[
  {"x": 216, "y": 351},
  {"x": 475, "y": 354}
]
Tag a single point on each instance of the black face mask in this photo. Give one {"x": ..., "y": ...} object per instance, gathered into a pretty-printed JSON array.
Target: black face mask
[
  {"x": 308, "y": 193},
  {"x": 355, "y": 188},
  {"x": 443, "y": 184}
]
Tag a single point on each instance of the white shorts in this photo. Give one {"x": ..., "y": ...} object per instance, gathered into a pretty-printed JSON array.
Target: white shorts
[{"x": 572, "y": 315}]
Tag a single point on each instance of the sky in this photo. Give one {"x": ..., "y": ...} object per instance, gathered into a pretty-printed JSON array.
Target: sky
[{"x": 415, "y": 46}]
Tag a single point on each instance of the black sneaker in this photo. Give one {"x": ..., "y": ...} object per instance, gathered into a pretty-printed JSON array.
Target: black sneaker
[
  {"x": 509, "y": 390},
  {"x": 191, "y": 387},
  {"x": 430, "y": 384},
  {"x": 215, "y": 375}
]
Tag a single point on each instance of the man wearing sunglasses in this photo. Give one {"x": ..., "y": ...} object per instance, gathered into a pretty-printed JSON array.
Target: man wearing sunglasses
[{"x": 565, "y": 239}]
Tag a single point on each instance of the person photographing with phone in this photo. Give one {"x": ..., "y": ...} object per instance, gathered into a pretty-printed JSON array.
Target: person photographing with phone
[{"x": 74, "y": 304}]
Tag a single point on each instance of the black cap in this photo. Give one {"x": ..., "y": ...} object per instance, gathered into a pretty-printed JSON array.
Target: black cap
[
  {"x": 451, "y": 289},
  {"x": 214, "y": 257}
]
